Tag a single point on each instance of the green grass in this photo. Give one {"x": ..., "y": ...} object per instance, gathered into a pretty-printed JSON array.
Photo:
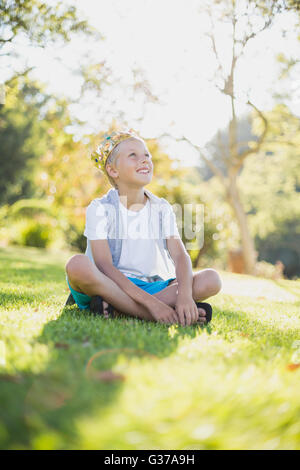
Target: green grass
[{"x": 225, "y": 386}]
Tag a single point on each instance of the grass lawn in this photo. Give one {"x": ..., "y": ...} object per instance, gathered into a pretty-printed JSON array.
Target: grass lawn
[{"x": 231, "y": 385}]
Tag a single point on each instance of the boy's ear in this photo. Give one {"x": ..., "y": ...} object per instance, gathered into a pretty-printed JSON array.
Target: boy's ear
[{"x": 111, "y": 170}]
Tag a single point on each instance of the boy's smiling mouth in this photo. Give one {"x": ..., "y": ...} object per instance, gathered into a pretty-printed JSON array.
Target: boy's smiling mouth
[{"x": 143, "y": 170}]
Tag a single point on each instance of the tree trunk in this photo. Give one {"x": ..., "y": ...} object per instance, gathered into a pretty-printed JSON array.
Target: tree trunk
[{"x": 248, "y": 248}]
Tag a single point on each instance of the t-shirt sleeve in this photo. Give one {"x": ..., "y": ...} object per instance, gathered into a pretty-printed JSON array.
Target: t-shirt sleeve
[
  {"x": 170, "y": 228},
  {"x": 96, "y": 222}
]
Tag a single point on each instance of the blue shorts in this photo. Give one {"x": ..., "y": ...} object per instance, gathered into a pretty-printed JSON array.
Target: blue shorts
[{"x": 83, "y": 300}]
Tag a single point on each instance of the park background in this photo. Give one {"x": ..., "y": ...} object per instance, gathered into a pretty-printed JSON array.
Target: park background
[{"x": 213, "y": 88}]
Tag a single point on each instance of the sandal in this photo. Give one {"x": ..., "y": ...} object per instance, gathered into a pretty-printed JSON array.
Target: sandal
[
  {"x": 70, "y": 300},
  {"x": 96, "y": 307},
  {"x": 208, "y": 309}
]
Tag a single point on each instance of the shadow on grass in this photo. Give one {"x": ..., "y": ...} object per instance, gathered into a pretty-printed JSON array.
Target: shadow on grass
[{"x": 51, "y": 401}]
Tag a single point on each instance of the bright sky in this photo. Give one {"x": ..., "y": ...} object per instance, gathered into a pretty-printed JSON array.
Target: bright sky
[{"x": 165, "y": 39}]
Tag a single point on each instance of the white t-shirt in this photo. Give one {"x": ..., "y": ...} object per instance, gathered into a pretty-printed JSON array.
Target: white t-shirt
[{"x": 140, "y": 256}]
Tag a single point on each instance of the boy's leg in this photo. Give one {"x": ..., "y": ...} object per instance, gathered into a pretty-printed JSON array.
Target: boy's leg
[
  {"x": 85, "y": 277},
  {"x": 206, "y": 283}
]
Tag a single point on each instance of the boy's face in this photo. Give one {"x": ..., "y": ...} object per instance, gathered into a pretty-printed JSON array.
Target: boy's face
[{"x": 134, "y": 165}]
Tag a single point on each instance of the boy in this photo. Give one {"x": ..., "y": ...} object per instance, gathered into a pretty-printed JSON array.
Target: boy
[{"x": 146, "y": 273}]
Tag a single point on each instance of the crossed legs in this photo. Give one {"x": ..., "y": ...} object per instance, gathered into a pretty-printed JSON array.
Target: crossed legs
[{"x": 85, "y": 277}]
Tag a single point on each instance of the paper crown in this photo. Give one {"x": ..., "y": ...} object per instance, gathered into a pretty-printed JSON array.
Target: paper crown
[{"x": 107, "y": 144}]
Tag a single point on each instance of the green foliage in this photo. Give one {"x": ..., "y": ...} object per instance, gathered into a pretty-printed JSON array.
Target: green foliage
[
  {"x": 271, "y": 192},
  {"x": 28, "y": 222},
  {"x": 283, "y": 245},
  {"x": 22, "y": 122},
  {"x": 22, "y": 138},
  {"x": 31, "y": 222},
  {"x": 34, "y": 233},
  {"x": 39, "y": 21},
  {"x": 30, "y": 208},
  {"x": 74, "y": 237},
  {"x": 38, "y": 159}
]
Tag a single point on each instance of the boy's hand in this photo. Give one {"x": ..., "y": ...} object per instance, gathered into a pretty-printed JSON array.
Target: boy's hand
[
  {"x": 163, "y": 313},
  {"x": 186, "y": 309}
]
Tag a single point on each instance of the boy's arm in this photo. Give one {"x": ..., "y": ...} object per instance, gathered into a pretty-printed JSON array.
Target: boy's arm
[
  {"x": 96, "y": 232},
  {"x": 103, "y": 260},
  {"x": 183, "y": 265},
  {"x": 126, "y": 285},
  {"x": 185, "y": 304},
  {"x": 181, "y": 258}
]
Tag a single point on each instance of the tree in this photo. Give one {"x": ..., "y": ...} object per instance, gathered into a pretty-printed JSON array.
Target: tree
[
  {"x": 247, "y": 19},
  {"x": 36, "y": 24},
  {"x": 291, "y": 5},
  {"x": 22, "y": 137},
  {"x": 271, "y": 192},
  {"x": 221, "y": 139},
  {"x": 38, "y": 21}
]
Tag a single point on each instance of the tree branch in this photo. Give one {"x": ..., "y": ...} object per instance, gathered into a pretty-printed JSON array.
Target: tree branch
[
  {"x": 215, "y": 170},
  {"x": 214, "y": 47},
  {"x": 260, "y": 140}
]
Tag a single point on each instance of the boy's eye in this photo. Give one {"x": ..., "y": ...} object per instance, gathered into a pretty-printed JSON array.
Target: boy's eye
[{"x": 133, "y": 153}]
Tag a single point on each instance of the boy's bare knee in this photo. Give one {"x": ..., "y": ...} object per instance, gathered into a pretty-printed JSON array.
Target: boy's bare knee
[
  {"x": 207, "y": 282},
  {"x": 76, "y": 265},
  {"x": 214, "y": 281}
]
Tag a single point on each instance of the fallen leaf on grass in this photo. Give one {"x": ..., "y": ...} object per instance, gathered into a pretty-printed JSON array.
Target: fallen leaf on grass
[
  {"x": 108, "y": 376},
  {"x": 62, "y": 345},
  {"x": 292, "y": 366}
]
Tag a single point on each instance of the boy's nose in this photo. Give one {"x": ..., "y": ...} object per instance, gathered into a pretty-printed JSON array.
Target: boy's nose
[
  {"x": 145, "y": 159},
  {"x": 144, "y": 162}
]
